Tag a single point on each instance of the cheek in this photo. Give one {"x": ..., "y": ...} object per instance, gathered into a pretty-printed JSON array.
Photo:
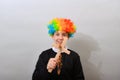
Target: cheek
[{"x": 54, "y": 38}]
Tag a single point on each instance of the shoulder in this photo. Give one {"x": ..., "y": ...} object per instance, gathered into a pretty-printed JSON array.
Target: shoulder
[
  {"x": 74, "y": 54},
  {"x": 46, "y": 52}
]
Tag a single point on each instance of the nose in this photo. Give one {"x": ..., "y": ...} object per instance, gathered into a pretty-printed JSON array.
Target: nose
[{"x": 61, "y": 37}]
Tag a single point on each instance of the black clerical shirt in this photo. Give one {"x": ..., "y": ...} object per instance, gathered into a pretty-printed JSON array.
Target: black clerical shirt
[{"x": 71, "y": 67}]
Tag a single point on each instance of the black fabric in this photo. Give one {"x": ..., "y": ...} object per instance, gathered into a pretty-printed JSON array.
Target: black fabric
[{"x": 71, "y": 68}]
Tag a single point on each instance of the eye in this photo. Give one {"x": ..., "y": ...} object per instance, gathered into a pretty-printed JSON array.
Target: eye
[
  {"x": 57, "y": 34},
  {"x": 65, "y": 34}
]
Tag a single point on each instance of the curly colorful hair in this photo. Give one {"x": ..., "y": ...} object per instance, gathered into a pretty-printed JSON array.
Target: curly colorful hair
[{"x": 61, "y": 24}]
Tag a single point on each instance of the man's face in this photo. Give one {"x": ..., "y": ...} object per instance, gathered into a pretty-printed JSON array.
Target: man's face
[{"x": 59, "y": 36}]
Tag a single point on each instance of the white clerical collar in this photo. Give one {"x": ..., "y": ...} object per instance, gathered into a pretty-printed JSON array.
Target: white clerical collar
[{"x": 55, "y": 49}]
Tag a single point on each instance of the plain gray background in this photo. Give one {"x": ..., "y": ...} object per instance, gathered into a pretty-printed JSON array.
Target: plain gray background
[{"x": 23, "y": 35}]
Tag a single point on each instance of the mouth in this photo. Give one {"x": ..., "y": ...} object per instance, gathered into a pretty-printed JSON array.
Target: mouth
[{"x": 59, "y": 41}]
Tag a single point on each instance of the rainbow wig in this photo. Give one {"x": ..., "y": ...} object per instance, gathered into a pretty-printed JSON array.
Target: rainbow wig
[{"x": 61, "y": 24}]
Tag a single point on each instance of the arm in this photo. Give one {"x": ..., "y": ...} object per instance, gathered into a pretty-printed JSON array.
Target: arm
[
  {"x": 78, "y": 71},
  {"x": 56, "y": 59},
  {"x": 40, "y": 72}
]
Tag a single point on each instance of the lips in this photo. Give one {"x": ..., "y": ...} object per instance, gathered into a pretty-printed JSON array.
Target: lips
[{"x": 59, "y": 41}]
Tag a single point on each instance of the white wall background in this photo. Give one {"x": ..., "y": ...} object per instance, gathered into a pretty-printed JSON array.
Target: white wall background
[{"x": 23, "y": 35}]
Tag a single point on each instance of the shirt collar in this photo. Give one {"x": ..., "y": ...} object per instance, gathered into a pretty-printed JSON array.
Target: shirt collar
[{"x": 55, "y": 49}]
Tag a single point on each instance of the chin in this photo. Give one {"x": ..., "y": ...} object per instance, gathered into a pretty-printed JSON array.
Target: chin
[{"x": 59, "y": 42}]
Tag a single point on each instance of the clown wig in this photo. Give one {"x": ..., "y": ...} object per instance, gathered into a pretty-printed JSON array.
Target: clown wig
[{"x": 61, "y": 24}]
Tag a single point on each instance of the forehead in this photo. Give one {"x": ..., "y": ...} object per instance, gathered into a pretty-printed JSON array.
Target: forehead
[{"x": 61, "y": 32}]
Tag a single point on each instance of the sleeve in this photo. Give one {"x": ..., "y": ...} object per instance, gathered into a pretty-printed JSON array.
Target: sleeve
[
  {"x": 78, "y": 71},
  {"x": 40, "y": 72}
]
